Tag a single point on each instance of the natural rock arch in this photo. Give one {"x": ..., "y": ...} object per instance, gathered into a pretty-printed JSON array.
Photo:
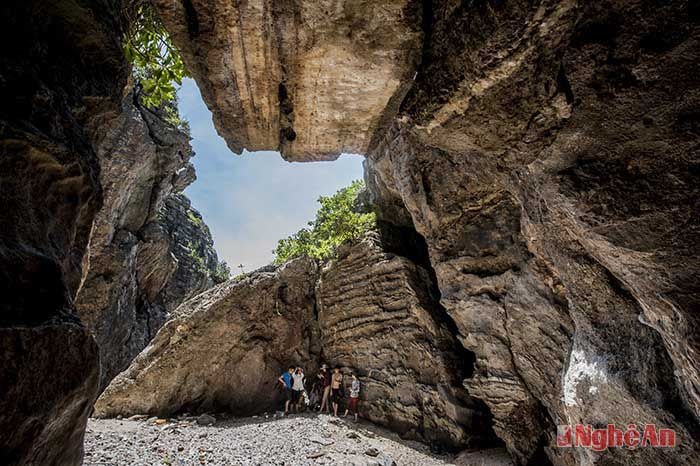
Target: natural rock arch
[{"x": 544, "y": 150}]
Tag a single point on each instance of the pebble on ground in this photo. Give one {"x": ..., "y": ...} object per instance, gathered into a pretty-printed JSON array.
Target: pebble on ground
[{"x": 263, "y": 440}]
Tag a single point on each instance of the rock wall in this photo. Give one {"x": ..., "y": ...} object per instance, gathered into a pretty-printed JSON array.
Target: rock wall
[
  {"x": 547, "y": 153},
  {"x": 378, "y": 316},
  {"x": 192, "y": 245},
  {"x": 553, "y": 182},
  {"x": 369, "y": 310},
  {"x": 55, "y": 87},
  {"x": 275, "y": 74},
  {"x": 245, "y": 329},
  {"x": 139, "y": 265}
]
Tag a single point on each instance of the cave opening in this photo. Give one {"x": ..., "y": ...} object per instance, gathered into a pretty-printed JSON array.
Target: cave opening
[{"x": 252, "y": 200}]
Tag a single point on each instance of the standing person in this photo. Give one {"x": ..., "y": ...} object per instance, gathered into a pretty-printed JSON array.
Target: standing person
[
  {"x": 336, "y": 389},
  {"x": 354, "y": 395},
  {"x": 325, "y": 379},
  {"x": 286, "y": 381},
  {"x": 297, "y": 387}
]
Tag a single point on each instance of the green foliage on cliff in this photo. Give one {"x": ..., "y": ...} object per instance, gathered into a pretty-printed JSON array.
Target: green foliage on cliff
[
  {"x": 156, "y": 62},
  {"x": 336, "y": 222},
  {"x": 222, "y": 272}
]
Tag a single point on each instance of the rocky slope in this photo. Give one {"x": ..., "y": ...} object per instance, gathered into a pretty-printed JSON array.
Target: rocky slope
[
  {"x": 547, "y": 153},
  {"x": 245, "y": 330},
  {"x": 140, "y": 263}
]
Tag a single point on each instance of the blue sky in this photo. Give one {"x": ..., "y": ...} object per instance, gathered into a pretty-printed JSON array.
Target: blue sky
[{"x": 250, "y": 201}]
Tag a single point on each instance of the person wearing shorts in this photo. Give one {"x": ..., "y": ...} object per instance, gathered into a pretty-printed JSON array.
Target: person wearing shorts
[
  {"x": 336, "y": 389},
  {"x": 354, "y": 396},
  {"x": 297, "y": 387},
  {"x": 286, "y": 381}
]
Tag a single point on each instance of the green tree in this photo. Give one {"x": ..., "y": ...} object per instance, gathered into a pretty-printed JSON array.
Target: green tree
[
  {"x": 336, "y": 222},
  {"x": 222, "y": 272},
  {"x": 156, "y": 62}
]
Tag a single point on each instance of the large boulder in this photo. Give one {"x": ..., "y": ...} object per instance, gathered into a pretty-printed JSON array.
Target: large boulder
[
  {"x": 224, "y": 349},
  {"x": 379, "y": 316}
]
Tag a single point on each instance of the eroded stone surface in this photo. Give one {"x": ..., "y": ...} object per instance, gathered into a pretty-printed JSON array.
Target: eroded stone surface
[
  {"x": 54, "y": 86},
  {"x": 378, "y": 316},
  {"x": 547, "y": 153},
  {"x": 310, "y": 78},
  {"x": 148, "y": 249},
  {"x": 542, "y": 177},
  {"x": 223, "y": 349}
]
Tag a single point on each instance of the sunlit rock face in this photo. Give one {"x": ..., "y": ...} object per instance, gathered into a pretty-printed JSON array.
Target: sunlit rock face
[
  {"x": 55, "y": 86},
  {"x": 547, "y": 153},
  {"x": 310, "y": 78},
  {"x": 223, "y": 350},
  {"x": 148, "y": 249}
]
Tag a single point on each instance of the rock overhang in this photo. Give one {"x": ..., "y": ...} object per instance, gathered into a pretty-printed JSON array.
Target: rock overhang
[{"x": 312, "y": 79}]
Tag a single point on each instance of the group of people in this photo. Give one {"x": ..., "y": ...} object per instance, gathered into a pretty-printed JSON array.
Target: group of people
[{"x": 327, "y": 391}]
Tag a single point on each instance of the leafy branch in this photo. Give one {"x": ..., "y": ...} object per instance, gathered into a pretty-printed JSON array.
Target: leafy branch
[{"x": 156, "y": 62}]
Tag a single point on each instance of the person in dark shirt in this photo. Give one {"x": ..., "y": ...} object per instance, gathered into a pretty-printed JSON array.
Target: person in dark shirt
[
  {"x": 286, "y": 381},
  {"x": 324, "y": 377}
]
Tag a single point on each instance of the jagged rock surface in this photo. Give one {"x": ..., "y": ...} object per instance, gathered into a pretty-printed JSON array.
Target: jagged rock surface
[
  {"x": 550, "y": 181},
  {"x": 379, "y": 317},
  {"x": 372, "y": 310},
  {"x": 311, "y": 78},
  {"x": 148, "y": 250},
  {"x": 54, "y": 88},
  {"x": 192, "y": 246},
  {"x": 547, "y": 153},
  {"x": 244, "y": 329}
]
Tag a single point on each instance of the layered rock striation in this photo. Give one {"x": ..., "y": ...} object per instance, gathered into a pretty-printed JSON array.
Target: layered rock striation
[
  {"x": 369, "y": 310},
  {"x": 546, "y": 151},
  {"x": 310, "y": 78},
  {"x": 379, "y": 317}
]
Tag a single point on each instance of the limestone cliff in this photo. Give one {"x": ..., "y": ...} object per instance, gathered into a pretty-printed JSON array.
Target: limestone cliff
[
  {"x": 547, "y": 153},
  {"x": 149, "y": 250},
  {"x": 55, "y": 88},
  {"x": 545, "y": 150}
]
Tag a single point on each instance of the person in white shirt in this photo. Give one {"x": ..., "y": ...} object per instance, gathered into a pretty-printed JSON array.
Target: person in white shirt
[
  {"x": 297, "y": 387},
  {"x": 354, "y": 395}
]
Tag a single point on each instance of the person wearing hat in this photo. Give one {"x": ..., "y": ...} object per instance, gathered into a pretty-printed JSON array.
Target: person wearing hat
[{"x": 324, "y": 377}]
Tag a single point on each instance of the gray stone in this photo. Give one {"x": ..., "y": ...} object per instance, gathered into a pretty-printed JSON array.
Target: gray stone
[{"x": 206, "y": 420}]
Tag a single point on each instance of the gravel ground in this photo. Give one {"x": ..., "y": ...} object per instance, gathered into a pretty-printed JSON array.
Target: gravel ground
[{"x": 294, "y": 440}]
